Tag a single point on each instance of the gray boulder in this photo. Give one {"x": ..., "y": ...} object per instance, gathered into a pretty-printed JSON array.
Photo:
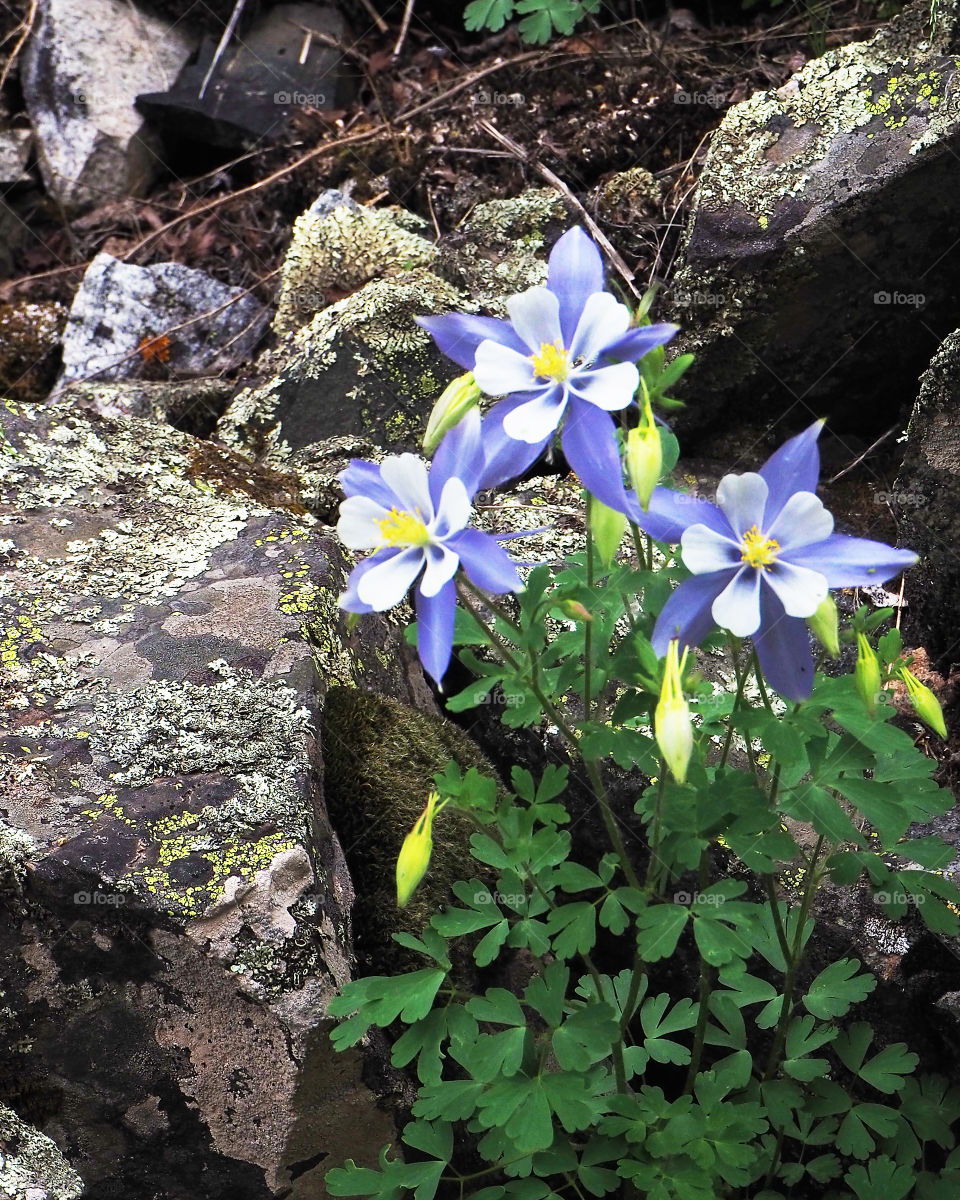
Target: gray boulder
[
  {"x": 176, "y": 910},
  {"x": 820, "y": 260},
  {"x": 120, "y": 316},
  {"x": 84, "y": 64}
]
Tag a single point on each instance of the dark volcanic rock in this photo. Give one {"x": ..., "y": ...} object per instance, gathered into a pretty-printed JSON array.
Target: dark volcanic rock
[
  {"x": 820, "y": 266},
  {"x": 176, "y": 907}
]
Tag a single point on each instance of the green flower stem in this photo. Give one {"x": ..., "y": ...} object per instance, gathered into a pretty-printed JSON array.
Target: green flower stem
[
  {"x": 810, "y": 884},
  {"x": 741, "y": 677},
  {"x": 706, "y": 982},
  {"x": 653, "y": 866},
  {"x": 588, "y": 625}
]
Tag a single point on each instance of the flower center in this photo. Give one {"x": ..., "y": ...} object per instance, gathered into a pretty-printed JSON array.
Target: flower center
[
  {"x": 757, "y": 550},
  {"x": 552, "y": 361},
  {"x": 403, "y": 529}
]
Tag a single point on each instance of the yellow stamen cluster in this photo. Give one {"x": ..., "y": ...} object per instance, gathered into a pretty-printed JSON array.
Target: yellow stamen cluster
[
  {"x": 757, "y": 550},
  {"x": 403, "y": 529},
  {"x": 552, "y": 361}
]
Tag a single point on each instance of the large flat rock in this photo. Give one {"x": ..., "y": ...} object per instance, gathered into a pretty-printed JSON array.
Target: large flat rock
[{"x": 176, "y": 904}]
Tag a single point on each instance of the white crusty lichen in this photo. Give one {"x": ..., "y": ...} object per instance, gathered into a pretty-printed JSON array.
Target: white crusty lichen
[{"x": 31, "y": 1165}]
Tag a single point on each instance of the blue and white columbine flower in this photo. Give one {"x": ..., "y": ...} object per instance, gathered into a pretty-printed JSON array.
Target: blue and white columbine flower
[
  {"x": 415, "y": 520},
  {"x": 763, "y": 559},
  {"x": 567, "y": 356}
]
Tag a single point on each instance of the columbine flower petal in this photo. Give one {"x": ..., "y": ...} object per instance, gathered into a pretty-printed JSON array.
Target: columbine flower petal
[
  {"x": 442, "y": 565},
  {"x": 737, "y": 608},
  {"x": 783, "y": 647},
  {"x": 742, "y": 499},
  {"x": 853, "y": 562},
  {"x": 407, "y": 476},
  {"x": 454, "y": 509},
  {"x": 460, "y": 455},
  {"x": 802, "y": 520},
  {"x": 357, "y": 527},
  {"x": 800, "y": 590},
  {"x": 687, "y": 614},
  {"x": 535, "y": 420},
  {"x": 363, "y": 479},
  {"x": 505, "y": 457},
  {"x": 705, "y": 550},
  {"x": 635, "y": 343},
  {"x": 459, "y": 334},
  {"x": 603, "y": 318},
  {"x": 435, "y": 621},
  {"x": 610, "y": 388},
  {"x": 795, "y": 467},
  {"x": 501, "y": 371},
  {"x": 590, "y": 444},
  {"x": 535, "y": 314},
  {"x": 486, "y": 563},
  {"x": 574, "y": 273},
  {"x": 386, "y": 584}
]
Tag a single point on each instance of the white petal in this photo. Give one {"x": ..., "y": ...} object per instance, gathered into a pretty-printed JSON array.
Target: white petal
[
  {"x": 500, "y": 371},
  {"x": 442, "y": 565},
  {"x": 704, "y": 550},
  {"x": 535, "y": 314},
  {"x": 537, "y": 419},
  {"x": 406, "y": 475},
  {"x": 802, "y": 521},
  {"x": 602, "y": 321},
  {"x": 357, "y": 527},
  {"x": 610, "y": 387},
  {"x": 742, "y": 499},
  {"x": 386, "y": 584},
  {"x": 801, "y": 591},
  {"x": 737, "y": 608},
  {"x": 453, "y": 511}
]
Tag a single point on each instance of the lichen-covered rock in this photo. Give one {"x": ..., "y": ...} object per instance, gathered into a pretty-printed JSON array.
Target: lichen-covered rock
[
  {"x": 337, "y": 246},
  {"x": 31, "y": 1166},
  {"x": 15, "y": 146},
  {"x": 361, "y": 368},
  {"x": 120, "y": 316},
  {"x": 927, "y": 493},
  {"x": 84, "y": 64},
  {"x": 29, "y": 336},
  {"x": 191, "y": 405},
  {"x": 176, "y": 908},
  {"x": 808, "y": 271}
]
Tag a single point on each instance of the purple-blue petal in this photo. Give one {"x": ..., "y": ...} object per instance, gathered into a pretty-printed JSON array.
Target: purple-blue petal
[
  {"x": 459, "y": 334},
  {"x": 363, "y": 478},
  {"x": 574, "y": 272},
  {"x": 460, "y": 455},
  {"x": 435, "y": 619},
  {"x": 350, "y": 601},
  {"x": 852, "y": 562},
  {"x": 589, "y": 441},
  {"x": 635, "y": 343},
  {"x": 686, "y": 615},
  {"x": 795, "y": 467},
  {"x": 506, "y": 458},
  {"x": 670, "y": 513},
  {"x": 485, "y": 562},
  {"x": 783, "y": 648}
]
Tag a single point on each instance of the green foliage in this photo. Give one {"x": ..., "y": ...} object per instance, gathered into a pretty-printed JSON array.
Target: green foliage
[
  {"x": 541, "y": 19},
  {"x": 641, "y": 1017}
]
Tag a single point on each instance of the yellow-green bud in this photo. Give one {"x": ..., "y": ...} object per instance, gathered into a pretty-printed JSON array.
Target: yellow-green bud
[
  {"x": 672, "y": 722},
  {"x": 575, "y": 610},
  {"x": 644, "y": 455},
  {"x": 454, "y": 403},
  {"x": 825, "y": 626},
  {"x": 925, "y": 703},
  {"x": 607, "y": 527},
  {"x": 866, "y": 674},
  {"x": 414, "y": 857}
]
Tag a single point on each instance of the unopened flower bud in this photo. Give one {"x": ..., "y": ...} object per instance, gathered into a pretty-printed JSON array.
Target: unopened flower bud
[
  {"x": 644, "y": 455},
  {"x": 414, "y": 857},
  {"x": 824, "y": 625},
  {"x": 456, "y": 400},
  {"x": 866, "y": 674},
  {"x": 607, "y": 527},
  {"x": 672, "y": 722},
  {"x": 575, "y": 610},
  {"x": 925, "y": 704}
]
